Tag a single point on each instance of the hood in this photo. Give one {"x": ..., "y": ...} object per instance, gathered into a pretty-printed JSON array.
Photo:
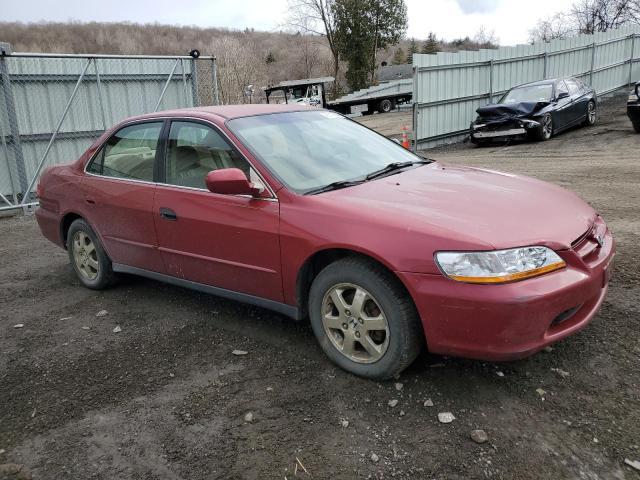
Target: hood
[
  {"x": 511, "y": 110},
  {"x": 482, "y": 208}
]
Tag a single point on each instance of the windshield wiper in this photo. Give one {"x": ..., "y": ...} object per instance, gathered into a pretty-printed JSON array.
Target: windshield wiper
[
  {"x": 394, "y": 167},
  {"x": 334, "y": 186}
]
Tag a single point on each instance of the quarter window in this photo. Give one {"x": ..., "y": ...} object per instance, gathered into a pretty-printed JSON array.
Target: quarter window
[
  {"x": 573, "y": 86},
  {"x": 130, "y": 153},
  {"x": 194, "y": 150}
]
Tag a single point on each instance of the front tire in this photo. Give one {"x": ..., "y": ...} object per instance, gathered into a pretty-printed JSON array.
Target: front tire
[
  {"x": 545, "y": 131},
  {"x": 88, "y": 258},
  {"x": 364, "y": 320},
  {"x": 636, "y": 126},
  {"x": 591, "y": 114}
]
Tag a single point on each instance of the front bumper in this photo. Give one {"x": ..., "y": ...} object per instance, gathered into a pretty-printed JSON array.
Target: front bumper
[
  {"x": 501, "y": 130},
  {"x": 513, "y": 320}
]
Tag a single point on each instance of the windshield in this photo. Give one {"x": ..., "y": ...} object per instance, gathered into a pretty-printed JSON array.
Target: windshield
[
  {"x": 532, "y": 93},
  {"x": 312, "y": 149}
]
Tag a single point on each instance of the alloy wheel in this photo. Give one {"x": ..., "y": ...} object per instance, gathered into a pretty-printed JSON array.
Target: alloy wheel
[
  {"x": 547, "y": 127},
  {"x": 591, "y": 113},
  {"x": 85, "y": 256},
  {"x": 354, "y": 323}
]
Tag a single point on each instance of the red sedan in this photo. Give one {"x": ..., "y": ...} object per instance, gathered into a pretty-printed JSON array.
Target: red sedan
[{"x": 310, "y": 214}]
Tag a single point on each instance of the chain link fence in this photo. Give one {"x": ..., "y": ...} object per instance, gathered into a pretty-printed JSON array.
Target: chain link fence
[{"x": 53, "y": 107}]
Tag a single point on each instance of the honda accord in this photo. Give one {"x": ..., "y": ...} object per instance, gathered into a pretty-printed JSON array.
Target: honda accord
[{"x": 305, "y": 212}]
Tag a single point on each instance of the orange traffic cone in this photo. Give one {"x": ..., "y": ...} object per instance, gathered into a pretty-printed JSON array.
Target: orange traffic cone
[{"x": 405, "y": 138}]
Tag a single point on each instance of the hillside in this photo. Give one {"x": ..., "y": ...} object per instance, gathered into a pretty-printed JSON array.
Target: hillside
[{"x": 244, "y": 56}]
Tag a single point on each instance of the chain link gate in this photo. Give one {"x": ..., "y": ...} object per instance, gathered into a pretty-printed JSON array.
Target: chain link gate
[{"x": 54, "y": 106}]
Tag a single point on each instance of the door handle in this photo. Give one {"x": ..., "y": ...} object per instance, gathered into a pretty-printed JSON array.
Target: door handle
[{"x": 168, "y": 214}]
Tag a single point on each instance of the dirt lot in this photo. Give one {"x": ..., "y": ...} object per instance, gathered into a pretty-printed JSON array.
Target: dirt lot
[{"x": 166, "y": 399}]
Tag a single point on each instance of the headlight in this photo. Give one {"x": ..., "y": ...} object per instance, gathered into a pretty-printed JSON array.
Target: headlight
[{"x": 498, "y": 266}]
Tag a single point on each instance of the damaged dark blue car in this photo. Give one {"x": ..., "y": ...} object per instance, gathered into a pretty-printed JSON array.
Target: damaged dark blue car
[{"x": 535, "y": 111}]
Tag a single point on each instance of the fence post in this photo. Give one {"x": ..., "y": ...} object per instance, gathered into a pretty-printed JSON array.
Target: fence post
[
  {"x": 491, "y": 80},
  {"x": 14, "y": 130},
  {"x": 214, "y": 80},
  {"x": 55, "y": 134},
  {"x": 593, "y": 61},
  {"x": 99, "y": 88},
  {"x": 414, "y": 112},
  {"x": 633, "y": 54},
  {"x": 545, "y": 67},
  {"x": 194, "y": 82}
]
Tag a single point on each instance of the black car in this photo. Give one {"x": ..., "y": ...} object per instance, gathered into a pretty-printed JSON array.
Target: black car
[
  {"x": 536, "y": 110},
  {"x": 633, "y": 107}
]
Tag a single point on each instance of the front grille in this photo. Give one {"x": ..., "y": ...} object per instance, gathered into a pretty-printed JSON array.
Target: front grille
[{"x": 586, "y": 246}]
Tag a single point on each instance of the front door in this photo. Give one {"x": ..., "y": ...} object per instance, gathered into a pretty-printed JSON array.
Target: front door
[
  {"x": 118, "y": 192},
  {"x": 227, "y": 241},
  {"x": 563, "y": 112}
]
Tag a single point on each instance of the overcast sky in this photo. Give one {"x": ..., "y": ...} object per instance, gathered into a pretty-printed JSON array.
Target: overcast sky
[{"x": 510, "y": 19}]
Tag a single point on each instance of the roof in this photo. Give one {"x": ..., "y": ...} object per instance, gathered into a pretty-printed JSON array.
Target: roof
[
  {"x": 228, "y": 111},
  {"x": 301, "y": 82},
  {"x": 546, "y": 81}
]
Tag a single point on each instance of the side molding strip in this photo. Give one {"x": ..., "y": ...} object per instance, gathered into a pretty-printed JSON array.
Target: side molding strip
[{"x": 282, "y": 308}]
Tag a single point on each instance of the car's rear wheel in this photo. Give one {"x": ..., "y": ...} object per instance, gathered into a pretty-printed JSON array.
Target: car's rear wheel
[
  {"x": 545, "y": 131},
  {"x": 386, "y": 105},
  {"x": 636, "y": 126},
  {"x": 363, "y": 319},
  {"x": 87, "y": 256},
  {"x": 591, "y": 114}
]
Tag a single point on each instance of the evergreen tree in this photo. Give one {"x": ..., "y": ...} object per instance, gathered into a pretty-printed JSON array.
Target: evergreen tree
[
  {"x": 399, "y": 58},
  {"x": 271, "y": 58},
  {"x": 362, "y": 28},
  {"x": 431, "y": 45},
  {"x": 413, "y": 48}
]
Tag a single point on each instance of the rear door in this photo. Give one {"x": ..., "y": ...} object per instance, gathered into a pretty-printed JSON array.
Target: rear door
[
  {"x": 579, "y": 100},
  {"x": 226, "y": 241},
  {"x": 118, "y": 192}
]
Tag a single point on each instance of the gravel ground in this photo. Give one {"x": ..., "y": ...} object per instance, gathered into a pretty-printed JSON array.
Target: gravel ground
[{"x": 165, "y": 398}]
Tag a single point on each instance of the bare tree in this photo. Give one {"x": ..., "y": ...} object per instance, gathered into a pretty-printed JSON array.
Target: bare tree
[
  {"x": 486, "y": 38},
  {"x": 556, "y": 27},
  {"x": 591, "y": 16},
  {"x": 316, "y": 17}
]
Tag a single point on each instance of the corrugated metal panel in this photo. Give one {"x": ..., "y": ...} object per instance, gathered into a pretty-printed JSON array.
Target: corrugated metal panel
[
  {"x": 41, "y": 88},
  {"x": 449, "y": 87}
]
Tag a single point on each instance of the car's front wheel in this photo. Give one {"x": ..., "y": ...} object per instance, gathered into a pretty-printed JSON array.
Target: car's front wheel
[
  {"x": 545, "y": 130},
  {"x": 636, "y": 126},
  {"x": 591, "y": 114},
  {"x": 363, "y": 319},
  {"x": 88, "y": 258}
]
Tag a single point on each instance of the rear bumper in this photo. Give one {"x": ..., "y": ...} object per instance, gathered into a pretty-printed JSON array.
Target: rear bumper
[
  {"x": 515, "y": 320},
  {"x": 49, "y": 223}
]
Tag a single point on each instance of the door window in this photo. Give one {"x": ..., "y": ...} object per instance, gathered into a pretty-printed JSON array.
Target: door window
[
  {"x": 194, "y": 150},
  {"x": 130, "y": 153}
]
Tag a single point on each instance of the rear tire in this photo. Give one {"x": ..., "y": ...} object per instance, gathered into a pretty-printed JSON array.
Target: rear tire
[
  {"x": 386, "y": 105},
  {"x": 375, "y": 337},
  {"x": 88, "y": 257},
  {"x": 636, "y": 126}
]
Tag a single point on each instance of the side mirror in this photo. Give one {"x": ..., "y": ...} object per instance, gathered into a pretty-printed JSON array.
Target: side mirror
[
  {"x": 562, "y": 95},
  {"x": 231, "y": 181}
]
